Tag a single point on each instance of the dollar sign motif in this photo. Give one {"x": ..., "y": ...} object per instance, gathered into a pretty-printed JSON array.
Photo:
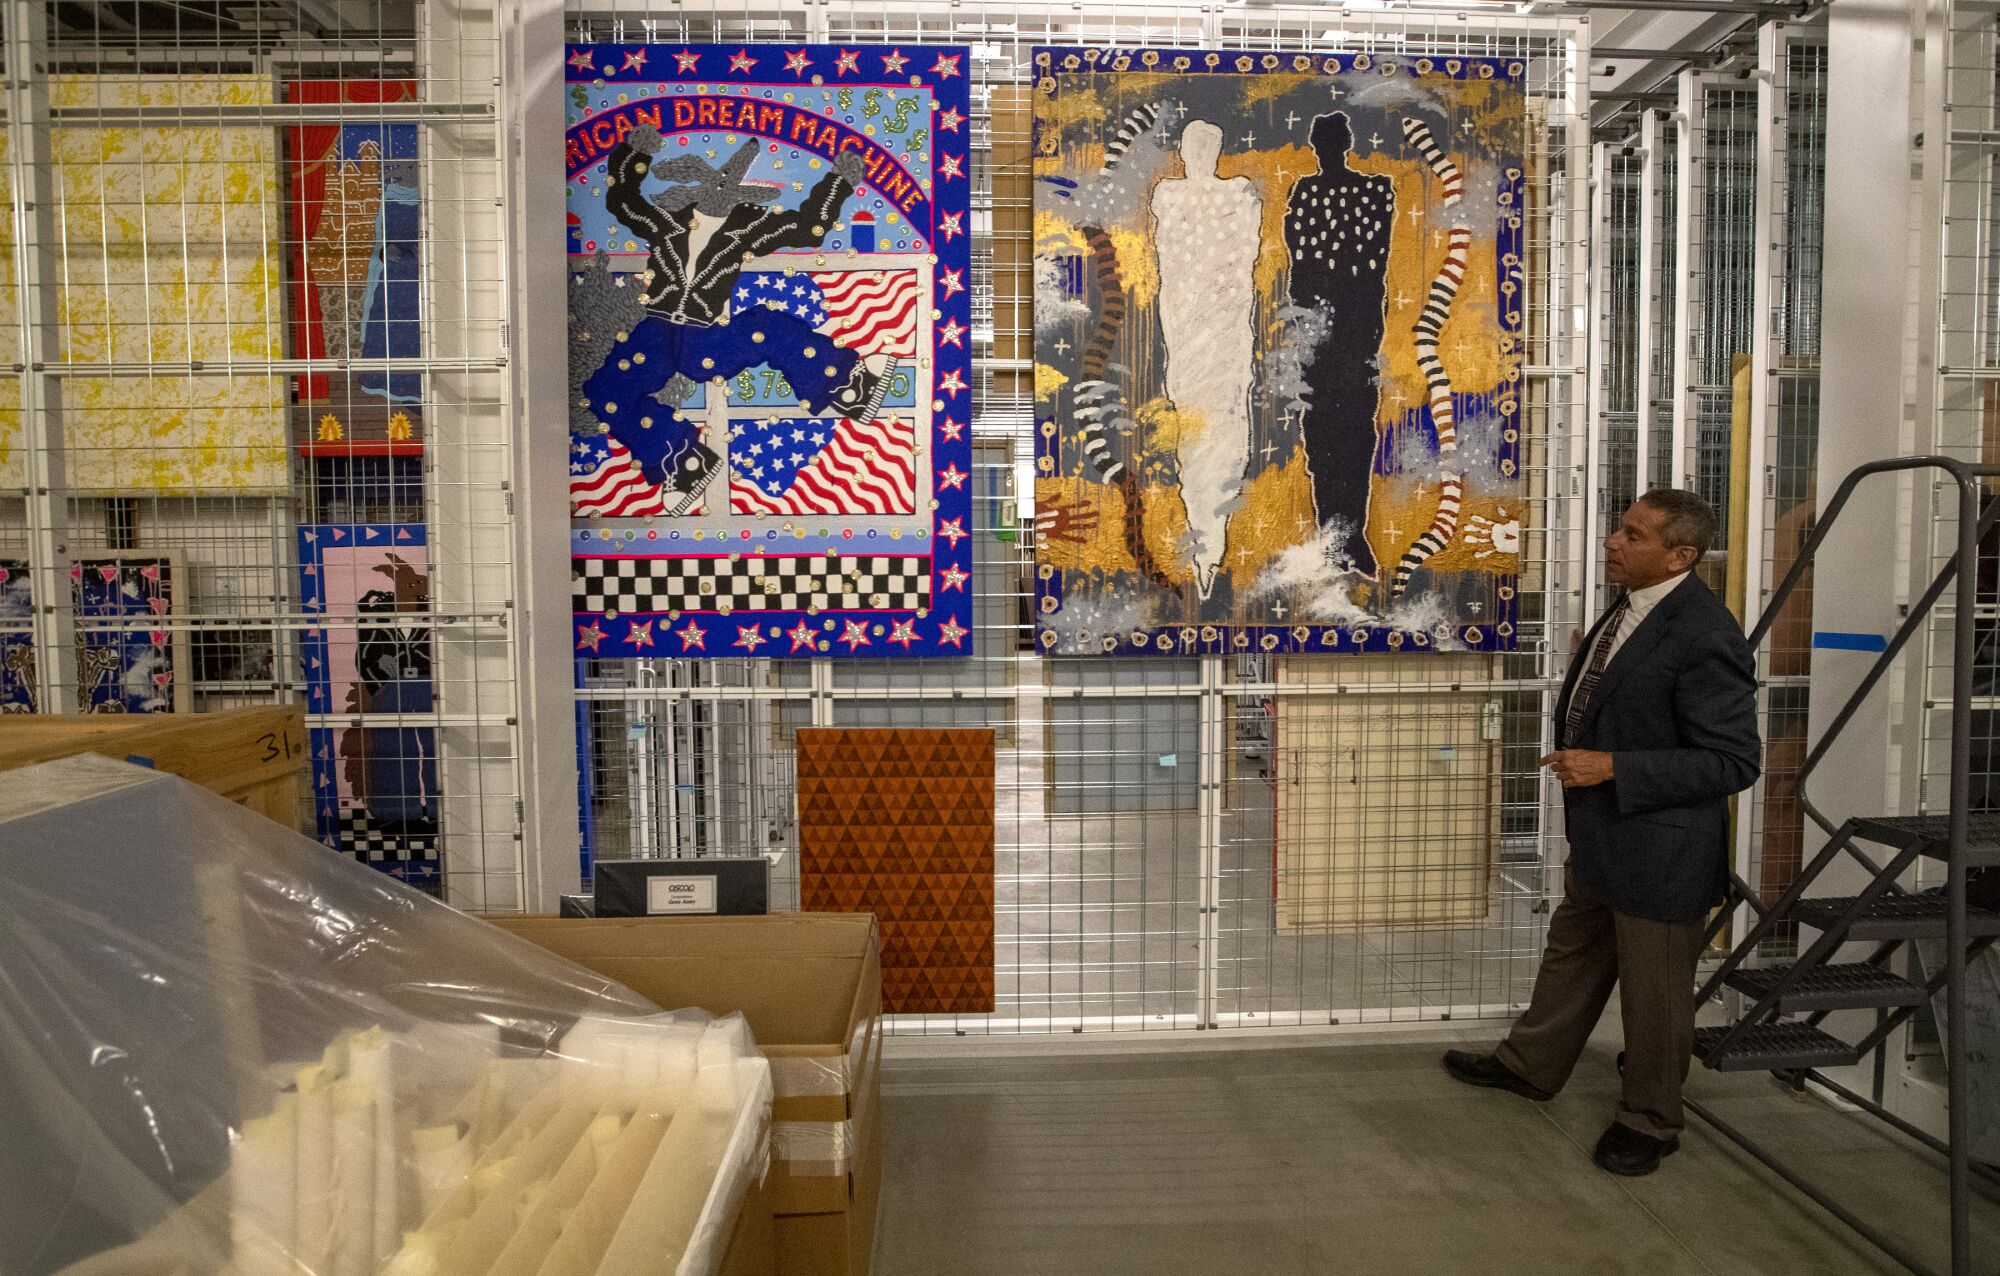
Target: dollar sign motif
[
  {"x": 847, "y": 99},
  {"x": 916, "y": 139},
  {"x": 901, "y": 120},
  {"x": 871, "y": 103},
  {"x": 746, "y": 386},
  {"x": 581, "y": 98}
]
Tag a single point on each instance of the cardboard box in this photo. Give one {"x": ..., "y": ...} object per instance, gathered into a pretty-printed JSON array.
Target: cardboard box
[
  {"x": 753, "y": 1246},
  {"x": 837, "y": 1241},
  {"x": 811, "y": 986},
  {"x": 255, "y": 756}
]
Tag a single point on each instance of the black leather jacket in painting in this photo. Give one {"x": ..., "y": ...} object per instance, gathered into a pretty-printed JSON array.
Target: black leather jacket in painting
[{"x": 697, "y": 293}]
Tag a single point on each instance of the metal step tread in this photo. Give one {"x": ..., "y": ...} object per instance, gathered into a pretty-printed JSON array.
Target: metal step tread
[
  {"x": 1768, "y": 1047},
  {"x": 1932, "y": 834},
  {"x": 1850, "y": 986},
  {"x": 1893, "y": 917}
]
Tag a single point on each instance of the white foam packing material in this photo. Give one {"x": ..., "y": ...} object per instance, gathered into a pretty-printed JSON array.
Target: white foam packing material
[{"x": 321, "y": 1072}]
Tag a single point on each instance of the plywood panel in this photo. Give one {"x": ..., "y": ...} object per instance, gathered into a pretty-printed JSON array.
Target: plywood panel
[{"x": 1388, "y": 810}]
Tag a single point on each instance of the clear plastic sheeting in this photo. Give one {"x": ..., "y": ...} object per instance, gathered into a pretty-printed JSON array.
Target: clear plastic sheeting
[
  {"x": 224, "y": 1048},
  {"x": 814, "y": 1149}
]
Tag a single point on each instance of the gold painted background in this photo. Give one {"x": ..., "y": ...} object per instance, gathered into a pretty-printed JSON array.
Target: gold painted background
[{"x": 1276, "y": 512}]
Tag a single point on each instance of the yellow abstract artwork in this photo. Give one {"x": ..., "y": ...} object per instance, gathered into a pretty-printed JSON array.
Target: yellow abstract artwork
[{"x": 169, "y": 255}]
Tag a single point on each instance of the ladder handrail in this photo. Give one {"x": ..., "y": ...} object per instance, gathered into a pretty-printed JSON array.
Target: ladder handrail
[
  {"x": 1963, "y": 473},
  {"x": 1962, "y": 570}
]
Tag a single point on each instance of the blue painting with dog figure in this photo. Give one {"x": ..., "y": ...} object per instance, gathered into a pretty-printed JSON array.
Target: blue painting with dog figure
[{"x": 770, "y": 350}]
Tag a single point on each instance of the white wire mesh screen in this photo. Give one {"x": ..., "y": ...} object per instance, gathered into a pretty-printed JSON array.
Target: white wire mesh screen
[
  {"x": 1966, "y": 391},
  {"x": 1171, "y": 831},
  {"x": 1734, "y": 358},
  {"x": 253, "y": 441},
  {"x": 1787, "y": 383}
]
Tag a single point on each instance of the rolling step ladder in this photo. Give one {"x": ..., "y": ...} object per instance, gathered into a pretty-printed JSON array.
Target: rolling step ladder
[
  {"x": 1764, "y": 1040},
  {"x": 1781, "y": 1026}
]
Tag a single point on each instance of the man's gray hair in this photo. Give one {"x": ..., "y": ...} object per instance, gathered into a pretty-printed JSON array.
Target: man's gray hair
[{"x": 1689, "y": 519}]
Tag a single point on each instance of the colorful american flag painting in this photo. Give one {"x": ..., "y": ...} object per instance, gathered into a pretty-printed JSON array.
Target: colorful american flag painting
[
  {"x": 824, "y": 465},
  {"x": 770, "y": 350}
]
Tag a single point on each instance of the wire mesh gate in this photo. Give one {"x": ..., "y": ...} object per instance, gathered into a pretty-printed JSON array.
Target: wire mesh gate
[
  {"x": 192, "y": 442},
  {"x": 1151, "y": 810},
  {"x": 1170, "y": 831}
]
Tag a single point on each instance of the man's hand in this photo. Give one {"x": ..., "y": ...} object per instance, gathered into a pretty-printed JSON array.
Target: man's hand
[
  {"x": 1579, "y": 768},
  {"x": 644, "y": 139},
  {"x": 848, "y": 164}
]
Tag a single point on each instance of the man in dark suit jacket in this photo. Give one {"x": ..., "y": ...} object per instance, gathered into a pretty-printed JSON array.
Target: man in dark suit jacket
[{"x": 1656, "y": 727}]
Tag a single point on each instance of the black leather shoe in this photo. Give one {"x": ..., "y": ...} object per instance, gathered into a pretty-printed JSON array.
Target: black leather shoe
[
  {"x": 1624, "y": 1150},
  {"x": 861, "y": 398},
  {"x": 1487, "y": 1070}
]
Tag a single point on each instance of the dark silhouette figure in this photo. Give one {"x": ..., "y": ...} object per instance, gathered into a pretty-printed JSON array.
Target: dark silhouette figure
[
  {"x": 392, "y": 769},
  {"x": 1337, "y": 227}
]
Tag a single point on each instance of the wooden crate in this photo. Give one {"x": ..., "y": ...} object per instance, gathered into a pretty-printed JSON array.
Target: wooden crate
[{"x": 254, "y": 756}]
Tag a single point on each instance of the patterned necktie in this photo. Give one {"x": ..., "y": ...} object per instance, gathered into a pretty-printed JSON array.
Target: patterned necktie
[{"x": 1586, "y": 685}]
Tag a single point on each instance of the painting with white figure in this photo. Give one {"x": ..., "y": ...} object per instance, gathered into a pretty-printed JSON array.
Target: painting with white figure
[{"x": 1278, "y": 314}]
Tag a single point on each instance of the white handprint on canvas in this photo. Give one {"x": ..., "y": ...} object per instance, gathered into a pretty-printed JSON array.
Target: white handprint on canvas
[{"x": 1490, "y": 537}]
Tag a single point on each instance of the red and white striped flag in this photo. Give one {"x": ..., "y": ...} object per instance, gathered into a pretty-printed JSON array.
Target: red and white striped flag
[
  {"x": 860, "y": 469},
  {"x": 604, "y": 479},
  {"x": 871, "y": 311}
]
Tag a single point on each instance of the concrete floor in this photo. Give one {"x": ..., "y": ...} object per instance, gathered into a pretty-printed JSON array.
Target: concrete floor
[{"x": 1363, "y": 1160}]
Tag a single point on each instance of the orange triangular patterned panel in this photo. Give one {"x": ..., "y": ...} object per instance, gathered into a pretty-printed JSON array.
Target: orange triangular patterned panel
[{"x": 899, "y": 822}]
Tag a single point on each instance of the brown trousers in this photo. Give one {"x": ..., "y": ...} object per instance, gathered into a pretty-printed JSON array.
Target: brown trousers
[{"x": 1590, "y": 948}]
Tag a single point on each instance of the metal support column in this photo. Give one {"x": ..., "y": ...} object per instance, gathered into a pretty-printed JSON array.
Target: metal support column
[
  {"x": 1213, "y": 734},
  {"x": 36, "y": 275},
  {"x": 1688, "y": 119},
  {"x": 1958, "y": 1082},
  {"x": 1649, "y": 252},
  {"x": 1597, "y": 378},
  {"x": 538, "y": 393}
]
